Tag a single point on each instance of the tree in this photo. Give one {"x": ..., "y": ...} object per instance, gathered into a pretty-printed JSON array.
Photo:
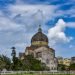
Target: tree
[
  {"x": 61, "y": 67},
  {"x": 30, "y": 63},
  {"x": 5, "y": 62},
  {"x": 2, "y": 63},
  {"x": 72, "y": 66},
  {"x": 17, "y": 63},
  {"x": 8, "y": 62}
]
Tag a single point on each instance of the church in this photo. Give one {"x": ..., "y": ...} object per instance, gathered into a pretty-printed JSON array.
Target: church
[{"x": 40, "y": 49}]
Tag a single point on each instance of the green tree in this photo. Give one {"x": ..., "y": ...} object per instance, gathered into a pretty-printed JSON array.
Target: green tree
[
  {"x": 2, "y": 63},
  {"x": 17, "y": 63},
  {"x": 5, "y": 62},
  {"x": 30, "y": 63},
  {"x": 61, "y": 67},
  {"x": 72, "y": 66}
]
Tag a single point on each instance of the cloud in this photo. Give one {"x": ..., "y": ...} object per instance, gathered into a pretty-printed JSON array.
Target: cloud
[
  {"x": 71, "y": 24},
  {"x": 47, "y": 10},
  {"x": 68, "y": 12},
  {"x": 30, "y": 16},
  {"x": 20, "y": 21},
  {"x": 56, "y": 34},
  {"x": 32, "y": 2},
  {"x": 7, "y": 23}
]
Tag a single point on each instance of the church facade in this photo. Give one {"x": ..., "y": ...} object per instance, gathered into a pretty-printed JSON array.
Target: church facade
[{"x": 41, "y": 51}]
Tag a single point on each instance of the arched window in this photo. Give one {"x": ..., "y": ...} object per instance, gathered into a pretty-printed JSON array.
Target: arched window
[{"x": 39, "y": 54}]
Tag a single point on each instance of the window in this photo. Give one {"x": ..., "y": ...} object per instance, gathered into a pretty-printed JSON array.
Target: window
[
  {"x": 47, "y": 61},
  {"x": 52, "y": 68}
]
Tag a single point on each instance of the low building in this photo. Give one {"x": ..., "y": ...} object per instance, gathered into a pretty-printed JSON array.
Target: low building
[
  {"x": 72, "y": 60},
  {"x": 60, "y": 60},
  {"x": 64, "y": 61},
  {"x": 67, "y": 61}
]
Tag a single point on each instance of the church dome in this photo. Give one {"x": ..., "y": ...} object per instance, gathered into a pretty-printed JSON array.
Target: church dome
[{"x": 39, "y": 38}]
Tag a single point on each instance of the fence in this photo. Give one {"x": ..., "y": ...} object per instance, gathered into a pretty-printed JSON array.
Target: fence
[{"x": 37, "y": 72}]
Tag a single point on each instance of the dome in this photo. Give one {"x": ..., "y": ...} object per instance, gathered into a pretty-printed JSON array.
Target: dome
[{"x": 39, "y": 38}]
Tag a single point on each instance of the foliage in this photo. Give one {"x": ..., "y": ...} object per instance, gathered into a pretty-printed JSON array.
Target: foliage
[
  {"x": 61, "y": 67},
  {"x": 72, "y": 66},
  {"x": 5, "y": 62},
  {"x": 30, "y": 63},
  {"x": 16, "y": 64}
]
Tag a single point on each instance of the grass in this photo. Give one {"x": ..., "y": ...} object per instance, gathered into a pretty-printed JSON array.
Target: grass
[{"x": 39, "y": 74}]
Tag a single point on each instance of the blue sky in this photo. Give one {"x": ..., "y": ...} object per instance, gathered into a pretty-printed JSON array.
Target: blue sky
[{"x": 19, "y": 21}]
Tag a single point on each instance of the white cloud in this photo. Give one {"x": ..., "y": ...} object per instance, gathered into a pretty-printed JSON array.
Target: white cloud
[
  {"x": 71, "y": 24},
  {"x": 66, "y": 13},
  {"x": 19, "y": 2},
  {"x": 30, "y": 16},
  {"x": 7, "y": 24},
  {"x": 56, "y": 34},
  {"x": 26, "y": 18},
  {"x": 27, "y": 10}
]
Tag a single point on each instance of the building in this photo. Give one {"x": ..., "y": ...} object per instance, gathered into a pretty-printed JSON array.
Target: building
[
  {"x": 21, "y": 56},
  {"x": 60, "y": 60},
  {"x": 72, "y": 60},
  {"x": 67, "y": 61},
  {"x": 40, "y": 50},
  {"x": 64, "y": 61}
]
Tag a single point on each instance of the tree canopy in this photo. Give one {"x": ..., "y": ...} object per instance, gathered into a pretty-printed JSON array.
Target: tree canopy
[
  {"x": 5, "y": 62},
  {"x": 72, "y": 66}
]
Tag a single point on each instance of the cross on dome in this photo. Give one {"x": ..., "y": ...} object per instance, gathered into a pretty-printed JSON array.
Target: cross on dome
[{"x": 39, "y": 30}]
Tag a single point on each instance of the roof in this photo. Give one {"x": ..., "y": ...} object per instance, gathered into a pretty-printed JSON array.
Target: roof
[{"x": 39, "y": 36}]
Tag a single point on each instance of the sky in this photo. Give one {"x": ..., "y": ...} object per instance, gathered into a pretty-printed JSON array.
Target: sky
[{"x": 20, "y": 19}]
